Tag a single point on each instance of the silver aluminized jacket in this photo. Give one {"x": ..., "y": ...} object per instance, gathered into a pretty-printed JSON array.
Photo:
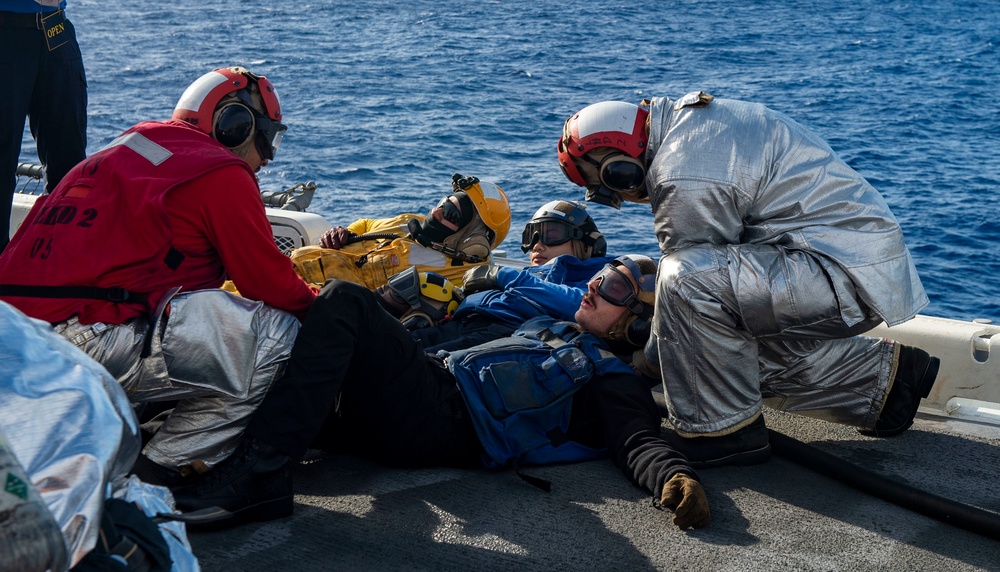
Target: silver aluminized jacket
[
  {"x": 733, "y": 172},
  {"x": 72, "y": 430},
  {"x": 215, "y": 352},
  {"x": 776, "y": 255}
]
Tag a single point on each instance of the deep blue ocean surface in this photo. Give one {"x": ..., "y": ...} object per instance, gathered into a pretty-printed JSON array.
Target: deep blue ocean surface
[{"x": 385, "y": 100}]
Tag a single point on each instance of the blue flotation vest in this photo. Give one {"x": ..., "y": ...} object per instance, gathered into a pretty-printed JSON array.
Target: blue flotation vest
[{"x": 519, "y": 390}]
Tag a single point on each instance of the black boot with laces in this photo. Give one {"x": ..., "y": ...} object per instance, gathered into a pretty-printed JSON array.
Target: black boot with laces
[{"x": 253, "y": 484}]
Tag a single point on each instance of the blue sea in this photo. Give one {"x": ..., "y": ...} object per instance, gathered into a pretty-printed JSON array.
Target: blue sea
[{"x": 385, "y": 100}]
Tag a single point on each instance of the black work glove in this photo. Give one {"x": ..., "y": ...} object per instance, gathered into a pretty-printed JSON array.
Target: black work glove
[
  {"x": 685, "y": 496},
  {"x": 335, "y": 238},
  {"x": 480, "y": 278},
  {"x": 643, "y": 366}
]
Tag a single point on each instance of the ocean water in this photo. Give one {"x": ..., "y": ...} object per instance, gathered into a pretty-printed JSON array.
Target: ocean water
[{"x": 385, "y": 100}]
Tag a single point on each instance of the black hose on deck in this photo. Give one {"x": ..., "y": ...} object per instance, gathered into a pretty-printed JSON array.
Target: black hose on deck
[
  {"x": 965, "y": 516},
  {"x": 973, "y": 519}
]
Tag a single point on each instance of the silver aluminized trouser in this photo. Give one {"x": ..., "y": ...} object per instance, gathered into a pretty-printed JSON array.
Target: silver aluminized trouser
[
  {"x": 735, "y": 325},
  {"x": 215, "y": 352}
]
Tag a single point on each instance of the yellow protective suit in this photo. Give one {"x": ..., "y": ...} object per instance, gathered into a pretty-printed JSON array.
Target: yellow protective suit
[{"x": 372, "y": 262}]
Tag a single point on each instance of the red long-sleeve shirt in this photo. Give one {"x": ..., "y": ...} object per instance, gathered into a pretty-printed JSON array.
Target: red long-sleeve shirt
[
  {"x": 220, "y": 226},
  {"x": 164, "y": 206}
]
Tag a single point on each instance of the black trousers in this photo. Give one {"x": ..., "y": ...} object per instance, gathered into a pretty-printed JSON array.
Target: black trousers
[
  {"x": 463, "y": 333},
  {"x": 50, "y": 89},
  {"x": 357, "y": 382}
]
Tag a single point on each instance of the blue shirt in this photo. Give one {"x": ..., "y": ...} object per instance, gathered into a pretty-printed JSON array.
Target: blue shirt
[
  {"x": 554, "y": 289},
  {"x": 31, "y": 6}
]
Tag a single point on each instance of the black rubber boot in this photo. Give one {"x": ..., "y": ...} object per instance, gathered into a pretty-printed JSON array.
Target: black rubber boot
[
  {"x": 915, "y": 375},
  {"x": 155, "y": 474},
  {"x": 253, "y": 484},
  {"x": 748, "y": 446}
]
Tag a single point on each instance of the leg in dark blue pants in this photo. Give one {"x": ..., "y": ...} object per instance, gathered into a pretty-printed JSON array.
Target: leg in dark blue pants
[
  {"x": 357, "y": 380},
  {"x": 50, "y": 88}
]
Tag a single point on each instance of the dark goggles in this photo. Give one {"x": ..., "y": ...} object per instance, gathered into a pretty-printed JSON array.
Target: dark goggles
[
  {"x": 549, "y": 233},
  {"x": 405, "y": 287},
  {"x": 615, "y": 287},
  {"x": 619, "y": 172}
]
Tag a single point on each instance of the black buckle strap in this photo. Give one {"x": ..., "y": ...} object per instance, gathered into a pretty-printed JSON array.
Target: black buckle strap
[
  {"x": 537, "y": 482},
  {"x": 115, "y": 294},
  {"x": 118, "y": 294}
]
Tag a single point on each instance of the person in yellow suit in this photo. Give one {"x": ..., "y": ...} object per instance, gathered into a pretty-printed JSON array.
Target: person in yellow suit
[{"x": 458, "y": 234}]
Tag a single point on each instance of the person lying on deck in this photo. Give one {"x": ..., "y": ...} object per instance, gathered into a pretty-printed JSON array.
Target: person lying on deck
[
  {"x": 565, "y": 249},
  {"x": 456, "y": 235},
  {"x": 552, "y": 392}
]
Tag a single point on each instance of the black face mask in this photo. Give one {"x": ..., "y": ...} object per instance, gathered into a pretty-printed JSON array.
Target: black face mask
[{"x": 431, "y": 230}]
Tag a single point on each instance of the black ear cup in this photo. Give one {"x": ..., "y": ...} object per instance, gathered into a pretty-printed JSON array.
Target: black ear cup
[
  {"x": 234, "y": 125},
  {"x": 600, "y": 247},
  {"x": 637, "y": 332}
]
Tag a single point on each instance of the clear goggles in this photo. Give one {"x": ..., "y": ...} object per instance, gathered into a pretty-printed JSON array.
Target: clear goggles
[
  {"x": 615, "y": 287},
  {"x": 549, "y": 233},
  {"x": 269, "y": 136},
  {"x": 619, "y": 172}
]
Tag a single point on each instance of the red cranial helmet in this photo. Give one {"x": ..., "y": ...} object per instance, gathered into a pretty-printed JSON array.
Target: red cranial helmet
[
  {"x": 234, "y": 106},
  {"x": 617, "y": 128}
]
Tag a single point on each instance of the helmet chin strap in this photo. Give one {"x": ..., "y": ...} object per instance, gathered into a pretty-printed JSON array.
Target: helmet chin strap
[
  {"x": 630, "y": 329},
  {"x": 636, "y": 195},
  {"x": 456, "y": 254},
  {"x": 603, "y": 196},
  {"x": 617, "y": 330}
]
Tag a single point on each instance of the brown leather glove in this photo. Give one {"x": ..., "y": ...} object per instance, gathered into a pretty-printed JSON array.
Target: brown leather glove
[
  {"x": 335, "y": 238},
  {"x": 687, "y": 499}
]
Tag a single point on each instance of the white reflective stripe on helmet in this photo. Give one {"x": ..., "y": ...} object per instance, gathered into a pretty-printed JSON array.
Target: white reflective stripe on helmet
[
  {"x": 194, "y": 96},
  {"x": 607, "y": 116},
  {"x": 491, "y": 191}
]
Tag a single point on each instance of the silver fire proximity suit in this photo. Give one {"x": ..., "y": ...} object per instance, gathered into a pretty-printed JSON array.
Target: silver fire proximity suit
[
  {"x": 776, "y": 256},
  {"x": 219, "y": 375}
]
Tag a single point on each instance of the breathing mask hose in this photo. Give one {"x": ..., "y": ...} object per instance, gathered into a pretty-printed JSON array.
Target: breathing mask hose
[
  {"x": 372, "y": 236},
  {"x": 965, "y": 516}
]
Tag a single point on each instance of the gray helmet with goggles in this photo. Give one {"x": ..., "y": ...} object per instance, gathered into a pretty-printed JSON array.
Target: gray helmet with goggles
[
  {"x": 558, "y": 222},
  {"x": 614, "y": 286}
]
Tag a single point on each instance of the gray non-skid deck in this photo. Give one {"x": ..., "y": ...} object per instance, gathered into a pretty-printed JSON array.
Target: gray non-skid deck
[{"x": 355, "y": 515}]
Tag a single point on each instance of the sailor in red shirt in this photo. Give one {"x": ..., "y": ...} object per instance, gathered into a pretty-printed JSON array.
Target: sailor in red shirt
[{"x": 126, "y": 256}]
